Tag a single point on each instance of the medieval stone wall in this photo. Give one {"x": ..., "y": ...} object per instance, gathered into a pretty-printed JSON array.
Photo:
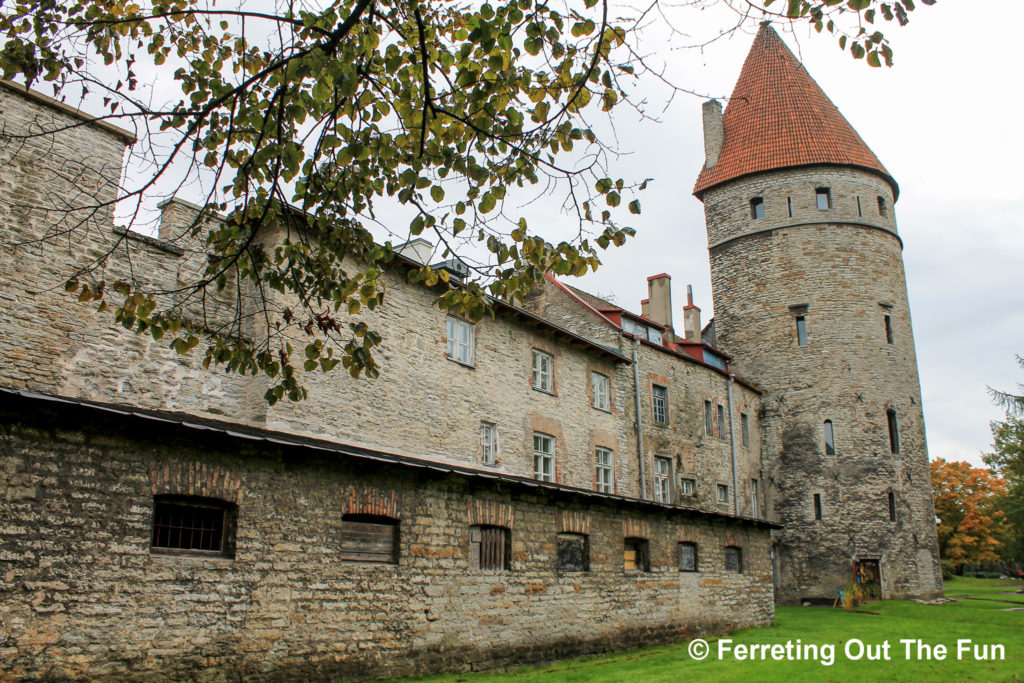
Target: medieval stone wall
[
  {"x": 843, "y": 275},
  {"x": 82, "y": 596}
]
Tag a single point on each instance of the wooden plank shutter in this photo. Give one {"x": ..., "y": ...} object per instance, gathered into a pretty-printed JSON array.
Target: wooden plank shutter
[{"x": 368, "y": 541}]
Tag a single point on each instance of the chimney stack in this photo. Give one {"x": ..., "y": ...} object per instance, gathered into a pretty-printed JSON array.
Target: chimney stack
[
  {"x": 714, "y": 133},
  {"x": 691, "y": 318},
  {"x": 659, "y": 306}
]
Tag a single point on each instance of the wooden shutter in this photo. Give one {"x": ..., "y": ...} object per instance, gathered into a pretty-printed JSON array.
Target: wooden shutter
[
  {"x": 368, "y": 541},
  {"x": 492, "y": 548}
]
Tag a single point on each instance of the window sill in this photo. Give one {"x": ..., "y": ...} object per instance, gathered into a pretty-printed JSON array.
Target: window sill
[
  {"x": 471, "y": 366},
  {"x": 190, "y": 555},
  {"x": 603, "y": 410},
  {"x": 544, "y": 391}
]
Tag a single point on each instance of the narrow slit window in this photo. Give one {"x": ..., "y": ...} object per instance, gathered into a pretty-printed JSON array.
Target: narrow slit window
[
  {"x": 721, "y": 422},
  {"x": 894, "y": 431},
  {"x": 709, "y": 419},
  {"x": 883, "y": 208},
  {"x": 830, "y": 438},
  {"x": 860, "y": 211},
  {"x": 823, "y": 196},
  {"x": 892, "y": 506},
  {"x": 888, "y": 329},
  {"x": 745, "y": 430},
  {"x": 789, "y": 206},
  {"x": 817, "y": 507},
  {"x": 757, "y": 208},
  {"x": 801, "y": 330}
]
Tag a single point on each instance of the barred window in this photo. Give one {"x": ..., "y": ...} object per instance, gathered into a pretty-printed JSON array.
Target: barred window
[
  {"x": 193, "y": 525},
  {"x": 489, "y": 547}
]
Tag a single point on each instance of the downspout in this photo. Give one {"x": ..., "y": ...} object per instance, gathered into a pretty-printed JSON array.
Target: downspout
[
  {"x": 732, "y": 450},
  {"x": 639, "y": 430}
]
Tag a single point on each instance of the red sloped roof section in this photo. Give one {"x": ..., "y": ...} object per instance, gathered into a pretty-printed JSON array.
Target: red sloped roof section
[{"x": 778, "y": 117}]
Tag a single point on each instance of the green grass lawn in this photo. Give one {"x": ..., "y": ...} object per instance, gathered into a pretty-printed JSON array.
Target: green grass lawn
[{"x": 982, "y": 621}]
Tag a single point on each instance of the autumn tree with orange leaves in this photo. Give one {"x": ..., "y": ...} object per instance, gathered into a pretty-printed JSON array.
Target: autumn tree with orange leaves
[{"x": 967, "y": 502}]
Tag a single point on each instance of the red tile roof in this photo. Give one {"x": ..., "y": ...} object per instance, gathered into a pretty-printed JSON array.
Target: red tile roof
[{"x": 778, "y": 117}]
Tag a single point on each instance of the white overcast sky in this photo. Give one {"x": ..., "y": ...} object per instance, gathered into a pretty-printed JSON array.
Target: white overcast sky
[{"x": 946, "y": 121}]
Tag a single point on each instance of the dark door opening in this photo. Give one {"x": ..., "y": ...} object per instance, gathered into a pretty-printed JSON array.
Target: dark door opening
[{"x": 868, "y": 576}]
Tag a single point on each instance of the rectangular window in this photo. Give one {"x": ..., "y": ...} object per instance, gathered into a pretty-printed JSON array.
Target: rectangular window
[
  {"x": 489, "y": 548},
  {"x": 489, "y": 442},
  {"x": 745, "y": 430},
  {"x": 721, "y": 422},
  {"x": 817, "y": 507},
  {"x": 543, "y": 365},
  {"x": 755, "y": 508},
  {"x": 709, "y": 419},
  {"x": 687, "y": 557},
  {"x": 605, "y": 479},
  {"x": 573, "y": 553},
  {"x": 543, "y": 457},
  {"x": 789, "y": 206},
  {"x": 366, "y": 538},
  {"x": 830, "y": 438},
  {"x": 892, "y": 506},
  {"x": 888, "y": 329},
  {"x": 801, "y": 330},
  {"x": 860, "y": 212},
  {"x": 635, "y": 555},
  {"x": 823, "y": 195},
  {"x": 687, "y": 487},
  {"x": 659, "y": 403},
  {"x": 723, "y": 493},
  {"x": 757, "y": 208},
  {"x": 733, "y": 560},
  {"x": 461, "y": 338},
  {"x": 883, "y": 210},
  {"x": 662, "y": 477},
  {"x": 193, "y": 526},
  {"x": 601, "y": 387},
  {"x": 894, "y": 431}
]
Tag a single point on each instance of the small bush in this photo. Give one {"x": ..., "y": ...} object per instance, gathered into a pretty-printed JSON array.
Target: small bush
[{"x": 948, "y": 570}]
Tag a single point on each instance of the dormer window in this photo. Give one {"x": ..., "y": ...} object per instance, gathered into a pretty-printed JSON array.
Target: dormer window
[
  {"x": 824, "y": 198},
  {"x": 757, "y": 208}
]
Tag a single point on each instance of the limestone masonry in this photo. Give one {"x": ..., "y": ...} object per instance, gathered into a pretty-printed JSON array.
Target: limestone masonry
[{"x": 566, "y": 477}]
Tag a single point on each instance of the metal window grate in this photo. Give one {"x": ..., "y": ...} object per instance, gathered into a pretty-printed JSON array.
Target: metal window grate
[
  {"x": 492, "y": 547},
  {"x": 188, "y": 527}
]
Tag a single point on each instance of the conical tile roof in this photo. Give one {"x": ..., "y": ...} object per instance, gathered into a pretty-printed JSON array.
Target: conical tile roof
[{"x": 778, "y": 117}]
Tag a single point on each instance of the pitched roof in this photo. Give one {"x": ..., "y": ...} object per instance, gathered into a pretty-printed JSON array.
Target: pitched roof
[{"x": 778, "y": 117}]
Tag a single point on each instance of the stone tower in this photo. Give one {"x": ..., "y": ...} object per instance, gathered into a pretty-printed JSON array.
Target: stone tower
[{"x": 810, "y": 299}]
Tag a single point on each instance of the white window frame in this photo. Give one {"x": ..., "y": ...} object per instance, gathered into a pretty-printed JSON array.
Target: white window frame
[
  {"x": 543, "y": 457},
  {"x": 687, "y": 487},
  {"x": 543, "y": 377},
  {"x": 605, "y": 472},
  {"x": 662, "y": 479},
  {"x": 722, "y": 494},
  {"x": 601, "y": 385},
  {"x": 654, "y": 404},
  {"x": 461, "y": 336},
  {"x": 754, "y": 506},
  {"x": 489, "y": 443}
]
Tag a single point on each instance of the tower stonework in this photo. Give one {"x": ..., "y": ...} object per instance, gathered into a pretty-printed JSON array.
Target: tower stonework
[{"x": 810, "y": 299}]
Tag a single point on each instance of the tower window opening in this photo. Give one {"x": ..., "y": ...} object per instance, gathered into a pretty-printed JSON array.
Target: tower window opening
[
  {"x": 757, "y": 208},
  {"x": 830, "y": 438},
  {"x": 817, "y": 507},
  {"x": 892, "y": 506},
  {"x": 883, "y": 209},
  {"x": 860, "y": 212},
  {"x": 824, "y": 198},
  {"x": 888, "y": 329},
  {"x": 801, "y": 330},
  {"x": 789, "y": 206},
  {"x": 894, "y": 431}
]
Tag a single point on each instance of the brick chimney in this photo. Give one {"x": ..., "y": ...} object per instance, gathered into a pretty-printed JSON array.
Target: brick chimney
[
  {"x": 691, "y": 318},
  {"x": 714, "y": 134},
  {"x": 659, "y": 306}
]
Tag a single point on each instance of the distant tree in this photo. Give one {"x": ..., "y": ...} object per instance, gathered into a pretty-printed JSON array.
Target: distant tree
[
  {"x": 967, "y": 501},
  {"x": 1007, "y": 458},
  {"x": 308, "y": 116},
  {"x": 1013, "y": 404}
]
